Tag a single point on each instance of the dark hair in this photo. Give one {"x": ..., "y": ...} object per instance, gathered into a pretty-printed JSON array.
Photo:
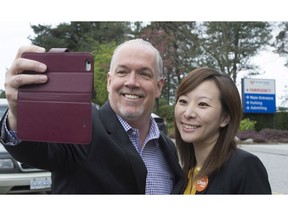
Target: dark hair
[{"x": 231, "y": 104}]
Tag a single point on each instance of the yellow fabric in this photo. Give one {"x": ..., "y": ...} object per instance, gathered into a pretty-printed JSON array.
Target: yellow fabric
[{"x": 191, "y": 186}]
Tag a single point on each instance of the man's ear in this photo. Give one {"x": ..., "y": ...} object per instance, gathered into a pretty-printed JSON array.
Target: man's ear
[
  {"x": 108, "y": 81},
  {"x": 225, "y": 120}
]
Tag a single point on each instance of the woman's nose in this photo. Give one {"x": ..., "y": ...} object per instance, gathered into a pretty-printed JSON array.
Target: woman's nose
[{"x": 189, "y": 113}]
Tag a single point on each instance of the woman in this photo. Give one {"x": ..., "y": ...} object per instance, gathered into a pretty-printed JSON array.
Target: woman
[{"x": 208, "y": 112}]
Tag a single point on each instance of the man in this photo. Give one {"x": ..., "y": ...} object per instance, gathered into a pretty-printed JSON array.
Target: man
[{"x": 127, "y": 155}]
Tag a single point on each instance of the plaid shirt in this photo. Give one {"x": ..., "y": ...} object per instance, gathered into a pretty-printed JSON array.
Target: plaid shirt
[{"x": 159, "y": 179}]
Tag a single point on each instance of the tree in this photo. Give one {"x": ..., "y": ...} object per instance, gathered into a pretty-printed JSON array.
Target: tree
[
  {"x": 176, "y": 43},
  {"x": 226, "y": 46},
  {"x": 102, "y": 56},
  {"x": 281, "y": 41},
  {"x": 229, "y": 46},
  {"x": 281, "y": 48},
  {"x": 80, "y": 36}
]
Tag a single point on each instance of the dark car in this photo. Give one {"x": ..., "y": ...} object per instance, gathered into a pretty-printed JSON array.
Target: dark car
[
  {"x": 162, "y": 125},
  {"x": 16, "y": 177}
]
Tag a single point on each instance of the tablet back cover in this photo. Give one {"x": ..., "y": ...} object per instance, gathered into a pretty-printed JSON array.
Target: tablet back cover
[{"x": 59, "y": 110}]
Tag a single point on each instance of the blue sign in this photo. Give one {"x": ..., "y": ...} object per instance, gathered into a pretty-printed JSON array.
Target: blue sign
[
  {"x": 255, "y": 103},
  {"x": 258, "y": 96}
]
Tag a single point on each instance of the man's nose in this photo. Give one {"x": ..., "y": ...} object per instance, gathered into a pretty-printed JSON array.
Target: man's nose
[{"x": 132, "y": 79}]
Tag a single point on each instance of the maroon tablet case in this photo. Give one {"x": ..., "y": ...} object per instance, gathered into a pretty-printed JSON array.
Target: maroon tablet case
[{"x": 59, "y": 110}]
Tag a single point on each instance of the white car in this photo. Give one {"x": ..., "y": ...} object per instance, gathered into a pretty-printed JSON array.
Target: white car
[{"x": 16, "y": 177}]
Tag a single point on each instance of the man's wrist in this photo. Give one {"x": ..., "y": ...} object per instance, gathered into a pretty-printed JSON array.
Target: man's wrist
[
  {"x": 8, "y": 137},
  {"x": 11, "y": 121}
]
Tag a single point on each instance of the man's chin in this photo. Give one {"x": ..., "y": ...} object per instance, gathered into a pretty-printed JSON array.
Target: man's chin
[{"x": 131, "y": 114}]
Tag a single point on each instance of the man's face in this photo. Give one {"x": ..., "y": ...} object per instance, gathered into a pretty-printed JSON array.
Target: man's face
[{"x": 132, "y": 84}]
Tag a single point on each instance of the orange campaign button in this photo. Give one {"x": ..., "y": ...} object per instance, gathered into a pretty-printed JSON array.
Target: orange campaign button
[{"x": 201, "y": 184}]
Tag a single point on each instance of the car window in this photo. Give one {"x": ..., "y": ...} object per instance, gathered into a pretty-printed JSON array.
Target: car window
[
  {"x": 3, "y": 106},
  {"x": 2, "y": 109}
]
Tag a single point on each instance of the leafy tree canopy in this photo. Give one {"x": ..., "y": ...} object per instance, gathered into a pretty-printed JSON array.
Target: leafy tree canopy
[
  {"x": 226, "y": 46},
  {"x": 80, "y": 36}
]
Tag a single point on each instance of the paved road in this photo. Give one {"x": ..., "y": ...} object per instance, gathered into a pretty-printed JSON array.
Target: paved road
[{"x": 275, "y": 159}]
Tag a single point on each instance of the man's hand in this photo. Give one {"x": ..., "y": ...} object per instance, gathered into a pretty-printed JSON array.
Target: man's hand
[{"x": 15, "y": 78}]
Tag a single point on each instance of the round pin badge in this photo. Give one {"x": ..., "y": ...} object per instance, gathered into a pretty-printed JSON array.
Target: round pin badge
[{"x": 201, "y": 184}]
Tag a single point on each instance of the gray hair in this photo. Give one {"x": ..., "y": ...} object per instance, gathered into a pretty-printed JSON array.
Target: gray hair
[{"x": 139, "y": 41}]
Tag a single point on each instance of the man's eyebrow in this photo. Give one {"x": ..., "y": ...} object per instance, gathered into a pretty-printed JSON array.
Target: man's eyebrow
[
  {"x": 145, "y": 68},
  {"x": 121, "y": 66},
  {"x": 140, "y": 69}
]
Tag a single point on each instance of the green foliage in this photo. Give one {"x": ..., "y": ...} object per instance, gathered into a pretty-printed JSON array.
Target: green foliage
[
  {"x": 247, "y": 124},
  {"x": 262, "y": 120},
  {"x": 177, "y": 43},
  {"x": 2, "y": 94},
  {"x": 281, "y": 120},
  {"x": 228, "y": 46},
  {"x": 80, "y": 36},
  {"x": 102, "y": 58},
  {"x": 165, "y": 111},
  {"x": 281, "y": 41}
]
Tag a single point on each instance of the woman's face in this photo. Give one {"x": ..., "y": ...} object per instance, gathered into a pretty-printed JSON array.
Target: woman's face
[{"x": 199, "y": 116}]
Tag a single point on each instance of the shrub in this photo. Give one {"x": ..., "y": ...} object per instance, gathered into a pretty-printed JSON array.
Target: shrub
[
  {"x": 264, "y": 136},
  {"x": 274, "y": 135},
  {"x": 259, "y": 138},
  {"x": 248, "y": 134},
  {"x": 247, "y": 124}
]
